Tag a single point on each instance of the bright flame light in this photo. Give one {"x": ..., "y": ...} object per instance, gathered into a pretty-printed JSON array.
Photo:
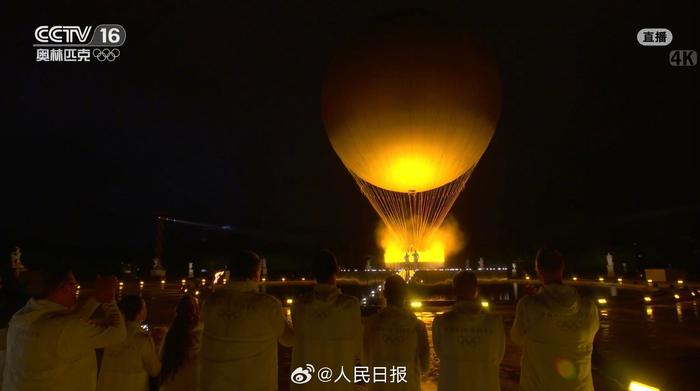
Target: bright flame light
[
  {"x": 676, "y": 296},
  {"x": 602, "y": 301},
  {"x": 416, "y": 304},
  {"x": 637, "y": 386},
  {"x": 447, "y": 240},
  {"x": 485, "y": 304},
  {"x": 601, "y": 279},
  {"x": 196, "y": 293},
  {"x": 680, "y": 282},
  {"x": 575, "y": 278},
  {"x": 290, "y": 301},
  {"x": 162, "y": 281},
  {"x": 647, "y": 299}
]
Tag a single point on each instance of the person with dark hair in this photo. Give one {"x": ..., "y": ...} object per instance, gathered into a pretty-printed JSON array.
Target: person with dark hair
[
  {"x": 180, "y": 351},
  {"x": 395, "y": 337},
  {"x": 13, "y": 295},
  {"x": 469, "y": 341},
  {"x": 556, "y": 327},
  {"x": 327, "y": 326},
  {"x": 128, "y": 365},
  {"x": 50, "y": 346},
  {"x": 241, "y": 329}
]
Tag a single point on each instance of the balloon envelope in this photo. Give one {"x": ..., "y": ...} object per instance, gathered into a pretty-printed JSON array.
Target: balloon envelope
[{"x": 411, "y": 111}]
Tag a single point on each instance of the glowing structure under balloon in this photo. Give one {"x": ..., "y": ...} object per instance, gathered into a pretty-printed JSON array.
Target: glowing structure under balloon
[{"x": 410, "y": 114}]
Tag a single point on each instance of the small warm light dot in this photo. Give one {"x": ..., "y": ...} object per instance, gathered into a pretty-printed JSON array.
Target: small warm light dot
[
  {"x": 692, "y": 293},
  {"x": 196, "y": 293},
  {"x": 416, "y": 304},
  {"x": 676, "y": 296},
  {"x": 78, "y": 286},
  {"x": 575, "y": 278},
  {"x": 647, "y": 299},
  {"x": 650, "y": 311},
  {"x": 601, "y": 279},
  {"x": 290, "y": 301},
  {"x": 485, "y": 304},
  {"x": 303, "y": 278},
  {"x": 565, "y": 369},
  {"x": 680, "y": 282},
  {"x": 225, "y": 281},
  {"x": 121, "y": 283},
  {"x": 162, "y": 281},
  {"x": 527, "y": 277},
  {"x": 636, "y": 386},
  {"x": 183, "y": 281},
  {"x": 186, "y": 290},
  {"x": 619, "y": 280},
  {"x": 264, "y": 279},
  {"x": 284, "y": 279},
  {"x": 602, "y": 301},
  {"x": 650, "y": 281}
]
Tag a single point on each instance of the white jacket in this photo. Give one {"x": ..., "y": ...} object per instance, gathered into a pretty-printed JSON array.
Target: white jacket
[
  {"x": 128, "y": 365},
  {"x": 50, "y": 350},
  {"x": 395, "y": 337},
  {"x": 556, "y": 328},
  {"x": 239, "y": 341},
  {"x": 470, "y": 344},
  {"x": 327, "y": 333}
]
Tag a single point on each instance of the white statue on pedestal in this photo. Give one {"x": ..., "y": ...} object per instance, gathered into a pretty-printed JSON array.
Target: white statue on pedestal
[
  {"x": 611, "y": 265},
  {"x": 481, "y": 263},
  {"x": 190, "y": 270},
  {"x": 514, "y": 272}
]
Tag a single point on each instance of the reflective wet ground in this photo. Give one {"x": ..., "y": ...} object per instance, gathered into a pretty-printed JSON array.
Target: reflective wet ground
[{"x": 656, "y": 342}]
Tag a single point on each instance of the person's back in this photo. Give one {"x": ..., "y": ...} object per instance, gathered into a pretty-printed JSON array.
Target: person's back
[
  {"x": 470, "y": 344},
  {"x": 181, "y": 349},
  {"x": 556, "y": 327},
  {"x": 468, "y": 341},
  {"x": 394, "y": 337},
  {"x": 239, "y": 340},
  {"x": 50, "y": 349},
  {"x": 128, "y": 365},
  {"x": 327, "y": 330}
]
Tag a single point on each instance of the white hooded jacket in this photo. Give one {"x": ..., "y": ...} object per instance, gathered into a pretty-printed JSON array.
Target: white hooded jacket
[
  {"x": 51, "y": 350},
  {"x": 470, "y": 344},
  {"x": 128, "y": 365},
  {"x": 239, "y": 340},
  {"x": 328, "y": 333},
  {"x": 394, "y": 337},
  {"x": 556, "y": 328}
]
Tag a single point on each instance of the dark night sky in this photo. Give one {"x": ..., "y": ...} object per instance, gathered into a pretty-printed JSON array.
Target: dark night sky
[{"x": 212, "y": 113}]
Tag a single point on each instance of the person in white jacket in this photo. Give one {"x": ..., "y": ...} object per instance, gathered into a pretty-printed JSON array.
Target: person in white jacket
[
  {"x": 241, "y": 329},
  {"x": 469, "y": 341},
  {"x": 556, "y": 327},
  {"x": 395, "y": 337},
  {"x": 327, "y": 332},
  {"x": 128, "y": 365},
  {"x": 50, "y": 347}
]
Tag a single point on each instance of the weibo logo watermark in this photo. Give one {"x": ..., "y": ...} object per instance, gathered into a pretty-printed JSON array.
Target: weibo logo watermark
[
  {"x": 359, "y": 374},
  {"x": 79, "y": 43},
  {"x": 303, "y": 375}
]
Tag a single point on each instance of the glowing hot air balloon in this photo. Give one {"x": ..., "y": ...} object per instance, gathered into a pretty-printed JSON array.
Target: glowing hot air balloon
[{"x": 410, "y": 114}]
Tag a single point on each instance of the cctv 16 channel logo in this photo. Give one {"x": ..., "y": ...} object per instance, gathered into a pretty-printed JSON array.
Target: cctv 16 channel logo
[{"x": 79, "y": 43}]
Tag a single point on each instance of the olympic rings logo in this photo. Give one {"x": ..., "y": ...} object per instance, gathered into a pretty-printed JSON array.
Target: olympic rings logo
[{"x": 106, "y": 54}]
